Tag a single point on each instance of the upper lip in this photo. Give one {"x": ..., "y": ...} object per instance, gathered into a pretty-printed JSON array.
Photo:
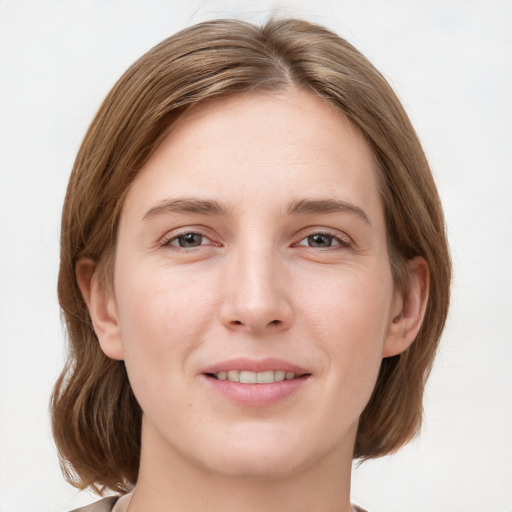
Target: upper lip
[{"x": 255, "y": 365}]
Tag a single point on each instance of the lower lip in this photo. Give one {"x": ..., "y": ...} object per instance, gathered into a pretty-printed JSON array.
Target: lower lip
[{"x": 256, "y": 394}]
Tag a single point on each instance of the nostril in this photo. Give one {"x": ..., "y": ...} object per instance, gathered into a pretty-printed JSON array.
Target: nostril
[{"x": 254, "y": 326}]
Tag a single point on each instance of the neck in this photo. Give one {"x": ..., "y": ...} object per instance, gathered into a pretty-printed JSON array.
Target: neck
[{"x": 167, "y": 480}]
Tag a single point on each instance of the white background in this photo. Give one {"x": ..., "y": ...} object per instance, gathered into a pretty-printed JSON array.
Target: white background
[{"x": 451, "y": 64}]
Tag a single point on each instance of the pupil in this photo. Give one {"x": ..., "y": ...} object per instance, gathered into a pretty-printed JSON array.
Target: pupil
[
  {"x": 190, "y": 240},
  {"x": 319, "y": 240}
]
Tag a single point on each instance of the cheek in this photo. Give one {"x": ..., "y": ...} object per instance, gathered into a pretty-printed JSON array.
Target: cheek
[
  {"x": 159, "y": 330},
  {"x": 162, "y": 318},
  {"x": 350, "y": 324},
  {"x": 159, "y": 303},
  {"x": 354, "y": 307}
]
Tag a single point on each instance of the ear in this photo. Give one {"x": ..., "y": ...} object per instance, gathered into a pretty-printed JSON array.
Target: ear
[
  {"x": 102, "y": 308},
  {"x": 409, "y": 310}
]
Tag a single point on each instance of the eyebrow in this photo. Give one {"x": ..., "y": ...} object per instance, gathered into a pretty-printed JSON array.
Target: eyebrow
[
  {"x": 211, "y": 207},
  {"x": 188, "y": 205},
  {"x": 305, "y": 206}
]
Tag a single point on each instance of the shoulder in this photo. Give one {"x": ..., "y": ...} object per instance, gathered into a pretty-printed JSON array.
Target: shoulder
[
  {"x": 104, "y": 505},
  {"x": 357, "y": 508},
  {"x": 107, "y": 504}
]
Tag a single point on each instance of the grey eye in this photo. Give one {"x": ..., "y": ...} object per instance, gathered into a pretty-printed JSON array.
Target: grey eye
[
  {"x": 320, "y": 240},
  {"x": 188, "y": 240}
]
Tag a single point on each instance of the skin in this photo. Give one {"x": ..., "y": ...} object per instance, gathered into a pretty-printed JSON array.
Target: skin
[{"x": 311, "y": 286}]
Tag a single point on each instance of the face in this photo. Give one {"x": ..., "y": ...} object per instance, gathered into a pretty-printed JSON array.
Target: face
[{"x": 253, "y": 299}]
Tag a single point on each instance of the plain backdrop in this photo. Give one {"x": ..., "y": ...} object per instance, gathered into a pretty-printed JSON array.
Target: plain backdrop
[{"x": 450, "y": 63}]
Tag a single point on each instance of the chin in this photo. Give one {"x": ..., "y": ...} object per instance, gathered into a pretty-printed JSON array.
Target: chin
[
  {"x": 256, "y": 466},
  {"x": 258, "y": 456}
]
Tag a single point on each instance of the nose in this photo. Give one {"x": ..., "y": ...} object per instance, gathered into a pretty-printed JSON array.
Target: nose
[{"x": 255, "y": 297}]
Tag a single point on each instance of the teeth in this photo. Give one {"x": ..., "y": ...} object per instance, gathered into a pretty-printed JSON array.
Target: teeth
[
  {"x": 255, "y": 377},
  {"x": 248, "y": 377},
  {"x": 265, "y": 377},
  {"x": 279, "y": 375},
  {"x": 233, "y": 375}
]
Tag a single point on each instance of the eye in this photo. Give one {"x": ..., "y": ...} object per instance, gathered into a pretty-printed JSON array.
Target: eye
[
  {"x": 188, "y": 240},
  {"x": 323, "y": 241}
]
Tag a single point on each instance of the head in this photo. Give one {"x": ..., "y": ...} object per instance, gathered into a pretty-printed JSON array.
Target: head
[{"x": 96, "y": 418}]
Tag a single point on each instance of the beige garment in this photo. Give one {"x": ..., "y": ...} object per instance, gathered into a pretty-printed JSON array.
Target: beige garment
[
  {"x": 107, "y": 505},
  {"x": 104, "y": 505}
]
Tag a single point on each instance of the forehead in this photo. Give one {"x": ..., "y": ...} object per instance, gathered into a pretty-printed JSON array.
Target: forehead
[{"x": 261, "y": 147}]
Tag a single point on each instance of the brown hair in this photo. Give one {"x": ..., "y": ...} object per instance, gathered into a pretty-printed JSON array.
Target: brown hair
[{"x": 96, "y": 419}]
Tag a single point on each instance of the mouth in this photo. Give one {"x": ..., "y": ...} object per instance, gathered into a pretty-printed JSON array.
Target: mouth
[
  {"x": 252, "y": 382},
  {"x": 249, "y": 377}
]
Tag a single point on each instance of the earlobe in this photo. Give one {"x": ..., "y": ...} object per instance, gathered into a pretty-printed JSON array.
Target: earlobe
[
  {"x": 409, "y": 310},
  {"x": 101, "y": 304}
]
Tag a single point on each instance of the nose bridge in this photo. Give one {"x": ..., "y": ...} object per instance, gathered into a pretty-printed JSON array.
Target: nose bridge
[{"x": 254, "y": 297}]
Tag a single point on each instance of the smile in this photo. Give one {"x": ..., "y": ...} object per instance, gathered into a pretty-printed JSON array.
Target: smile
[
  {"x": 248, "y": 377},
  {"x": 256, "y": 382}
]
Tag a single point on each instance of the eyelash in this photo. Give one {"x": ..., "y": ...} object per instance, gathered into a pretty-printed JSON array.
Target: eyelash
[
  {"x": 343, "y": 242},
  {"x": 168, "y": 242}
]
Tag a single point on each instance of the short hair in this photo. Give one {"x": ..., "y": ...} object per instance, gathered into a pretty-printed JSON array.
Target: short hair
[{"x": 96, "y": 418}]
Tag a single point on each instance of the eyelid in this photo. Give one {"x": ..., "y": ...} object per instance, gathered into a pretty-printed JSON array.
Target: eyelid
[
  {"x": 342, "y": 238},
  {"x": 170, "y": 236}
]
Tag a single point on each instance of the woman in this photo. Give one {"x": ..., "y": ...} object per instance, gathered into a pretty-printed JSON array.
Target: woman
[{"x": 254, "y": 275}]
